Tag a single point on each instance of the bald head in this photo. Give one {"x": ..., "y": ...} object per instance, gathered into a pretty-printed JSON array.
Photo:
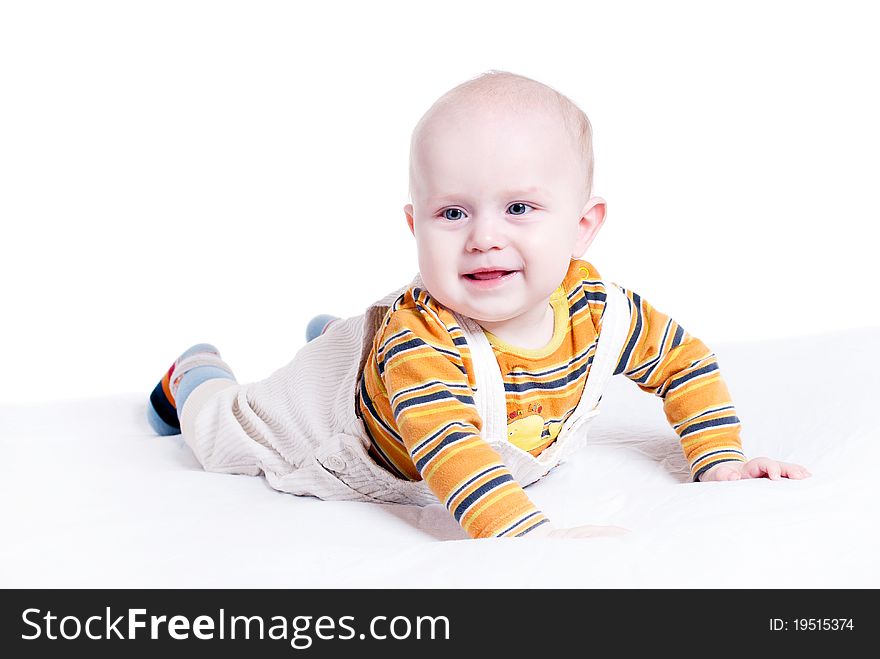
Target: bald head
[{"x": 499, "y": 94}]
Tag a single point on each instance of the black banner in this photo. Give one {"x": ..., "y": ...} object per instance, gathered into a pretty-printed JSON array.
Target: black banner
[{"x": 403, "y": 622}]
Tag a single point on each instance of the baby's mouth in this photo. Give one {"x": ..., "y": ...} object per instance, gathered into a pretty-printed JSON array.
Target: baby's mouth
[{"x": 489, "y": 274}]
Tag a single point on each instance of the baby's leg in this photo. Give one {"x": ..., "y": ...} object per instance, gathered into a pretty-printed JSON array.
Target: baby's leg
[
  {"x": 194, "y": 367},
  {"x": 198, "y": 365},
  {"x": 297, "y": 427}
]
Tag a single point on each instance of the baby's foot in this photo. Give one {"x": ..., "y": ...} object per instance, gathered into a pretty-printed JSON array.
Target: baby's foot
[
  {"x": 166, "y": 399},
  {"x": 318, "y": 325}
]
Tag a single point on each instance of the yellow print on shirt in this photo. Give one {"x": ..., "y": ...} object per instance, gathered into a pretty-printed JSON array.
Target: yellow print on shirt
[{"x": 524, "y": 428}]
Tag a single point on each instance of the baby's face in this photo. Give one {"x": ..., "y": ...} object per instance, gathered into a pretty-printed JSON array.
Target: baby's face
[{"x": 501, "y": 191}]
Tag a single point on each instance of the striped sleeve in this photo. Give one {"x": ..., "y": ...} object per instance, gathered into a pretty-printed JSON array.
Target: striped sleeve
[
  {"x": 427, "y": 384},
  {"x": 663, "y": 359}
]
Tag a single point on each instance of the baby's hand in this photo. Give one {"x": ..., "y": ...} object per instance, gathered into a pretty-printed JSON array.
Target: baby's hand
[
  {"x": 547, "y": 531},
  {"x": 754, "y": 468}
]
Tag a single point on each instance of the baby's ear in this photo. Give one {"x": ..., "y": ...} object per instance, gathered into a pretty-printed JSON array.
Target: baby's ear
[
  {"x": 408, "y": 210},
  {"x": 592, "y": 218}
]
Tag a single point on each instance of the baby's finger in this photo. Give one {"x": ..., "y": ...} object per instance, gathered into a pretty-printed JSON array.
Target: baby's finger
[
  {"x": 794, "y": 471},
  {"x": 757, "y": 467},
  {"x": 773, "y": 470}
]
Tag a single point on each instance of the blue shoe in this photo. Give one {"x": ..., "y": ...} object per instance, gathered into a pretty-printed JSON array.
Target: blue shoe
[
  {"x": 162, "y": 408},
  {"x": 318, "y": 325}
]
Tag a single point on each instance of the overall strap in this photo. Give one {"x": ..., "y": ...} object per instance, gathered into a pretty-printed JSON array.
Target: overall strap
[
  {"x": 616, "y": 320},
  {"x": 490, "y": 397}
]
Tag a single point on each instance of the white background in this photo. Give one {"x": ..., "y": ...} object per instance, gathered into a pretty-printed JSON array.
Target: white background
[{"x": 177, "y": 172}]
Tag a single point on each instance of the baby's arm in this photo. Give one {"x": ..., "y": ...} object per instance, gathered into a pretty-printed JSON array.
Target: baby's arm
[
  {"x": 427, "y": 385},
  {"x": 663, "y": 359}
]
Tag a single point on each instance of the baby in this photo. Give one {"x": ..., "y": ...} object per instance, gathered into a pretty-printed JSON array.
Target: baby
[{"x": 483, "y": 373}]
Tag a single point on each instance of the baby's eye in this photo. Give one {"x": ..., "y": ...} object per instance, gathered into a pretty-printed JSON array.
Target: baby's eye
[
  {"x": 518, "y": 208},
  {"x": 518, "y": 205}
]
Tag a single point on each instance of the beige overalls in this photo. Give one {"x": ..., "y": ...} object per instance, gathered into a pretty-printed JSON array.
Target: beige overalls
[{"x": 299, "y": 428}]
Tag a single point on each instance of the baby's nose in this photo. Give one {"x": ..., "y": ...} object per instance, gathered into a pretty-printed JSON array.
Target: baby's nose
[{"x": 487, "y": 232}]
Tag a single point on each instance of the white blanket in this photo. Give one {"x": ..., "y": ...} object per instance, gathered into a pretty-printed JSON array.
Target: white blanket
[{"x": 91, "y": 498}]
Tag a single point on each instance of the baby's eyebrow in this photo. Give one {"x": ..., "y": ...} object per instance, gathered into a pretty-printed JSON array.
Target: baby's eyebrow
[{"x": 506, "y": 194}]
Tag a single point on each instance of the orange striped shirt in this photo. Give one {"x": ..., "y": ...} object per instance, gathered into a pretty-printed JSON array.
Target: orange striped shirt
[{"x": 416, "y": 396}]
